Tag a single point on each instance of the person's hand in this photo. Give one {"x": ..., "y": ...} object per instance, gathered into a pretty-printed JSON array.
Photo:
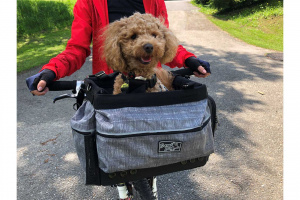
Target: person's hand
[
  {"x": 41, "y": 88},
  {"x": 37, "y": 83},
  {"x": 200, "y": 68},
  {"x": 203, "y": 73}
]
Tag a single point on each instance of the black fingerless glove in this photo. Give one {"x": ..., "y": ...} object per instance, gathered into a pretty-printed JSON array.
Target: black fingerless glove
[
  {"x": 46, "y": 75},
  {"x": 193, "y": 63}
]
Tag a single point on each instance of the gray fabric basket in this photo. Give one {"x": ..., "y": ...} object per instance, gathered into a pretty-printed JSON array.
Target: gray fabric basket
[{"x": 144, "y": 137}]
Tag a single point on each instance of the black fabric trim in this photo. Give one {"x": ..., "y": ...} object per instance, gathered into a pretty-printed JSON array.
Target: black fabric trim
[
  {"x": 156, "y": 133},
  {"x": 91, "y": 156},
  {"x": 213, "y": 112},
  {"x": 115, "y": 178},
  {"x": 99, "y": 93},
  {"x": 106, "y": 101},
  {"x": 84, "y": 133}
]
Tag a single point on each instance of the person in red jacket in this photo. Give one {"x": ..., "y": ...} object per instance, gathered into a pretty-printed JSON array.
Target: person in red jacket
[{"x": 90, "y": 17}]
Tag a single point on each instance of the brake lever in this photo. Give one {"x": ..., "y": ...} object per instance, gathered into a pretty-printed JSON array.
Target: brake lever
[
  {"x": 75, "y": 91},
  {"x": 64, "y": 96}
]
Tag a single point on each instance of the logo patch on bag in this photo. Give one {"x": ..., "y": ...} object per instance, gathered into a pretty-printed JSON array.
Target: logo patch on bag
[{"x": 169, "y": 146}]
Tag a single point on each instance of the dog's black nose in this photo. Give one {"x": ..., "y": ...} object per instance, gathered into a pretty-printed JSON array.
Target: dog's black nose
[{"x": 148, "y": 48}]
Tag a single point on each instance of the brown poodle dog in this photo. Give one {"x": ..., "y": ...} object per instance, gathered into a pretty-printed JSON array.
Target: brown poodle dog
[{"x": 135, "y": 45}]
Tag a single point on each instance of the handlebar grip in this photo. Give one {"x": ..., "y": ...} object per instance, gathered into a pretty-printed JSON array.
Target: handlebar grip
[
  {"x": 62, "y": 85},
  {"x": 183, "y": 72}
]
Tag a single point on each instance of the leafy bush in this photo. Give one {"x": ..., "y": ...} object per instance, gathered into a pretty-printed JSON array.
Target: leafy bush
[
  {"x": 233, "y": 4},
  {"x": 203, "y": 2},
  {"x": 34, "y": 16}
]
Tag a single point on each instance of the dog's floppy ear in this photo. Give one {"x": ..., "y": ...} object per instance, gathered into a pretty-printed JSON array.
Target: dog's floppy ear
[
  {"x": 171, "y": 44},
  {"x": 112, "y": 52}
]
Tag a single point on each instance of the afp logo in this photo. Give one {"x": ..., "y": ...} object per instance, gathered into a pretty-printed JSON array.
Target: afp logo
[{"x": 169, "y": 146}]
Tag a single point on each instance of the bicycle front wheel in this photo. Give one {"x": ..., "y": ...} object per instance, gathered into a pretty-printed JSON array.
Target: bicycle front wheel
[{"x": 146, "y": 188}]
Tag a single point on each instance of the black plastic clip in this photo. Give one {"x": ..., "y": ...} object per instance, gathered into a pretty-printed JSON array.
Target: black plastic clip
[
  {"x": 152, "y": 81},
  {"x": 99, "y": 74}
]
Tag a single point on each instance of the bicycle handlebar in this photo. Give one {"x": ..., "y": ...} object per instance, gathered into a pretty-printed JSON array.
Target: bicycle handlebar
[
  {"x": 75, "y": 85},
  {"x": 62, "y": 85},
  {"x": 66, "y": 85},
  {"x": 183, "y": 72}
]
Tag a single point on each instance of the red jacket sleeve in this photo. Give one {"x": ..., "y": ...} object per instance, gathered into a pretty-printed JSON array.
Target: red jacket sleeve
[
  {"x": 182, "y": 53},
  {"x": 78, "y": 47},
  {"x": 179, "y": 59}
]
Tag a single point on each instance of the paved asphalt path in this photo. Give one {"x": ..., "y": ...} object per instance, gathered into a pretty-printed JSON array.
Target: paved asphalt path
[{"x": 247, "y": 164}]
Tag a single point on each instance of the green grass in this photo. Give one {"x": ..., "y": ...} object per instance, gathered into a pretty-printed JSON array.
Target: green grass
[
  {"x": 43, "y": 30},
  {"x": 34, "y": 16},
  {"x": 39, "y": 49},
  {"x": 260, "y": 25}
]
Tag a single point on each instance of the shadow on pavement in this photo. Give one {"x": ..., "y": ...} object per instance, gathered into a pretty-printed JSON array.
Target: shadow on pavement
[
  {"x": 48, "y": 167},
  {"x": 226, "y": 175}
]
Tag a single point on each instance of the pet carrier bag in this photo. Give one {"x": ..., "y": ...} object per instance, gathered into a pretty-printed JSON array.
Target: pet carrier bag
[{"x": 126, "y": 137}]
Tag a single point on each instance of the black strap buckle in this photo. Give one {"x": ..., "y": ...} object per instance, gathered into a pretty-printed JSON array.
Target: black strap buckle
[{"x": 99, "y": 74}]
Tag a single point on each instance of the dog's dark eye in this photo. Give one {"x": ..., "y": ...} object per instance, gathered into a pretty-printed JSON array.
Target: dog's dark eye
[
  {"x": 154, "y": 35},
  {"x": 133, "y": 36}
]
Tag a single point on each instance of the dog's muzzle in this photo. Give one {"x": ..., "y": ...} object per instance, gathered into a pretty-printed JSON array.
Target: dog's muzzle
[{"x": 148, "y": 48}]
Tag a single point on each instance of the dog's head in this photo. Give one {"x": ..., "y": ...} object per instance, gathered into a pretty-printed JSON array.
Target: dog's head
[{"x": 138, "y": 43}]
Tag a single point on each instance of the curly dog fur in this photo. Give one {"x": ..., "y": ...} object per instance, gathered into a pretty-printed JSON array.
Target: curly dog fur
[{"x": 136, "y": 45}]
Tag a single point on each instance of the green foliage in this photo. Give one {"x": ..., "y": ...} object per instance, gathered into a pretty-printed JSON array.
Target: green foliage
[
  {"x": 260, "y": 25},
  {"x": 223, "y": 6},
  {"x": 203, "y": 2},
  {"x": 35, "y": 16},
  {"x": 233, "y": 4}
]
